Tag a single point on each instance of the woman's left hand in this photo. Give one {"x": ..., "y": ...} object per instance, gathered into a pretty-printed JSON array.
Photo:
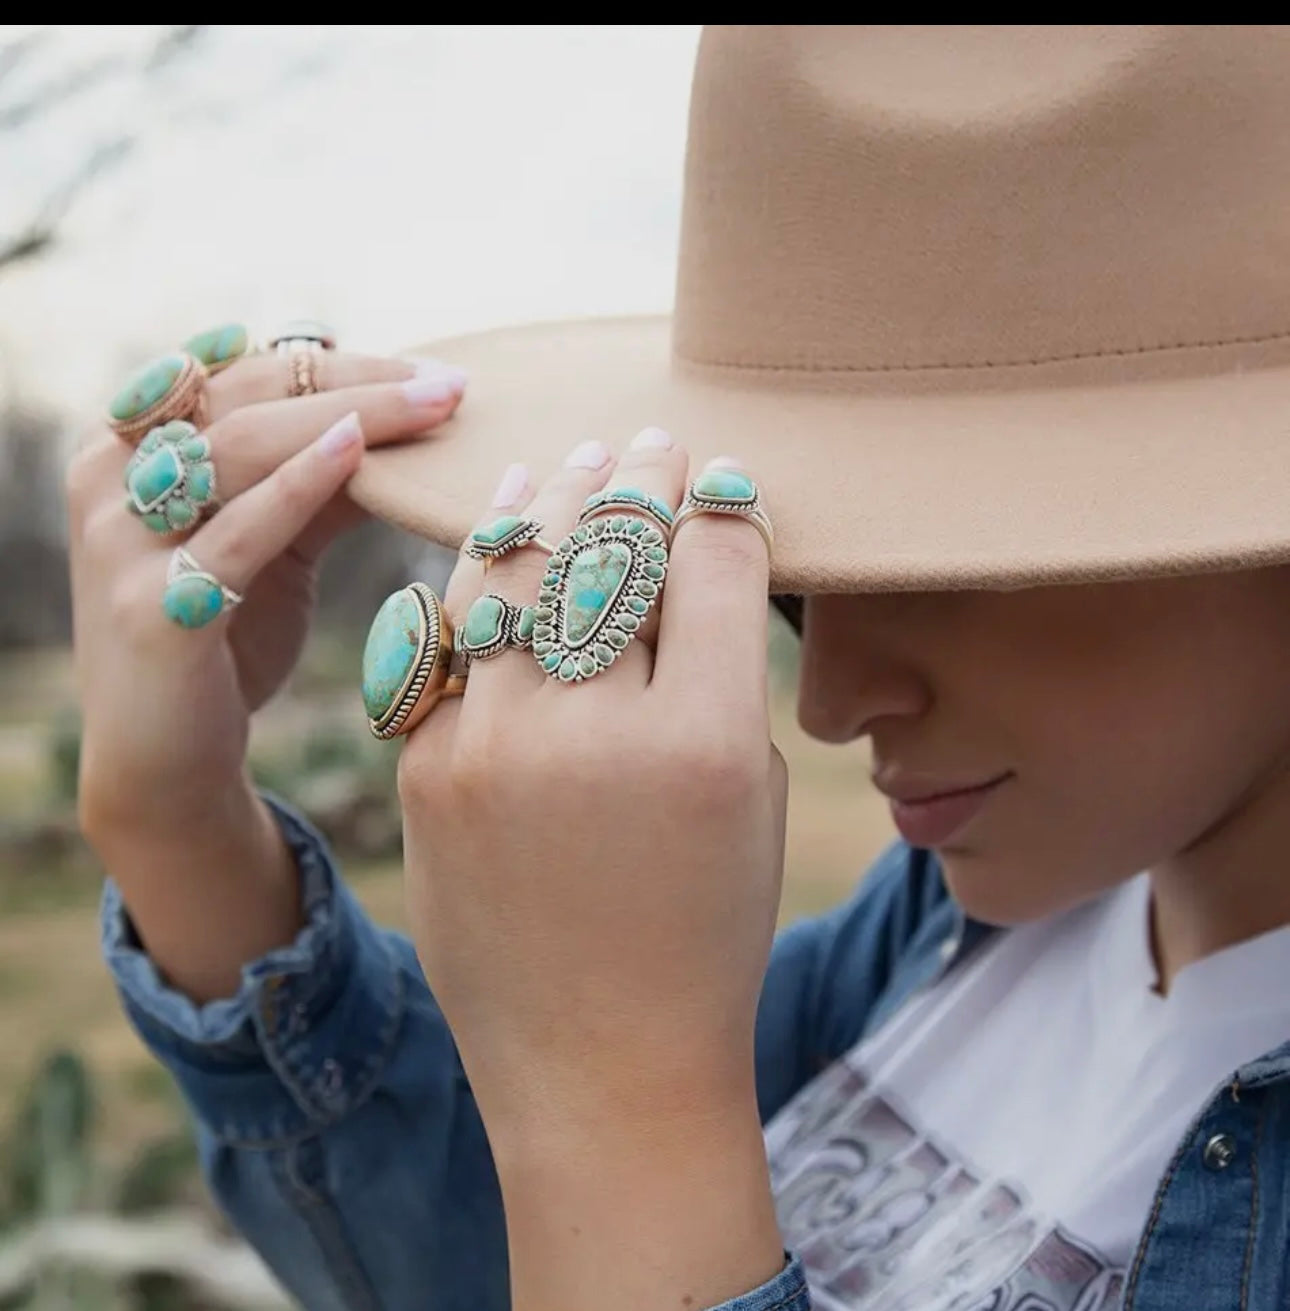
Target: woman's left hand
[{"x": 594, "y": 869}]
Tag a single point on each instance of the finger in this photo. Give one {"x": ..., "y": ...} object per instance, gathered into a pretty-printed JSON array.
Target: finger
[
  {"x": 466, "y": 581},
  {"x": 259, "y": 525},
  {"x": 655, "y": 465},
  {"x": 712, "y": 632},
  {"x": 258, "y": 378},
  {"x": 518, "y": 576}
]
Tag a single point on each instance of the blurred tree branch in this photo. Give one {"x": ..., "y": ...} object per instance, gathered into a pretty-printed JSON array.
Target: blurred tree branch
[{"x": 35, "y": 235}]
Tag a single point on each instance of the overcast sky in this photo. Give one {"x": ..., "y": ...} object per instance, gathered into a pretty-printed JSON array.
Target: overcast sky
[{"x": 401, "y": 182}]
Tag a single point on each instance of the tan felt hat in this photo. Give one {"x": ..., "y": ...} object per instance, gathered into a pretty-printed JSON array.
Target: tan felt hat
[{"x": 981, "y": 306}]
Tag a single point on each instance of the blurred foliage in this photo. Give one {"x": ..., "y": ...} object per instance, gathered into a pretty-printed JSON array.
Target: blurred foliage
[{"x": 51, "y": 1167}]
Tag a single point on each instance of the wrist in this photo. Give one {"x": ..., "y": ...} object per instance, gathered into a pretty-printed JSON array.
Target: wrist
[{"x": 653, "y": 1210}]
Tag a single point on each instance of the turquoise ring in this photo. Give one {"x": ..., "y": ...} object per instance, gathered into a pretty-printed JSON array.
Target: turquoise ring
[
  {"x": 408, "y": 665},
  {"x": 726, "y": 491},
  {"x": 503, "y": 536},
  {"x": 219, "y": 348},
  {"x": 194, "y": 596},
  {"x": 629, "y": 500},
  {"x": 172, "y": 387},
  {"x": 170, "y": 479},
  {"x": 492, "y": 624},
  {"x": 601, "y": 582}
]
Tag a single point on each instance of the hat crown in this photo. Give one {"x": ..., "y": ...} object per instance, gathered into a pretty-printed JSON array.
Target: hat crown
[{"x": 872, "y": 203}]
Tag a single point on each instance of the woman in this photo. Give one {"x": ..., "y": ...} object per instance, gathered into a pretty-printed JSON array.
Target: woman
[{"x": 995, "y": 318}]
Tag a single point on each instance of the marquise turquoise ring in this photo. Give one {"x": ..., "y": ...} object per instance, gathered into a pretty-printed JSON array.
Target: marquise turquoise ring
[
  {"x": 504, "y": 535},
  {"x": 492, "y": 624},
  {"x": 726, "y": 491},
  {"x": 221, "y": 347},
  {"x": 601, "y": 582},
  {"x": 629, "y": 500},
  {"x": 408, "y": 665},
  {"x": 172, "y": 387},
  {"x": 170, "y": 479},
  {"x": 194, "y": 596}
]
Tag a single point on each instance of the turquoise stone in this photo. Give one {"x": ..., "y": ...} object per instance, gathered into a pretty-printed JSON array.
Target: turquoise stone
[
  {"x": 192, "y": 601},
  {"x": 636, "y": 526},
  {"x": 201, "y": 480},
  {"x": 552, "y": 661},
  {"x": 615, "y": 638},
  {"x": 595, "y": 578},
  {"x": 654, "y": 571},
  {"x": 646, "y": 589},
  {"x": 581, "y": 534},
  {"x": 662, "y": 509},
  {"x": 617, "y": 523},
  {"x": 543, "y": 633},
  {"x": 543, "y": 614},
  {"x": 180, "y": 512},
  {"x": 391, "y": 654},
  {"x": 194, "y": 449},
  {"x": 155, "y": 477},
  {"x": 725, "y": 485},
  {"x": 628, "y": 623},
  {"x": 656, "y": 553},
  {"x": 602, "y": 653},
  {"x": 220, "y": 345},
  {"x": 497, "y": 531},
  {"x": 157, "y": 522},
  {"x": 550, "y": 580},
  {"x": 484, "y": 622},
  {"x": 651, "y": 537},
  {"x": 524, "y": 629},
  {"x": 568, "y": 671},
  {"x": 637, "y": 605},
  {"x": 147, "y": 387},
  {"x": 543, "y": 648},
  {"x": 587, "y": 665}
]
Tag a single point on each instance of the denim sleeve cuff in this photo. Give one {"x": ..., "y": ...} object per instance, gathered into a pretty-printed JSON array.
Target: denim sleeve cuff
[
  {"x": 307, "y": 1034},
  {"x": 787, "y": 1291}
]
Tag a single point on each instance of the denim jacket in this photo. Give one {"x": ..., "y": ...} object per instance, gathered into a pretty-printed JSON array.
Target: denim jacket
[{"x": 340, "y": 1135}]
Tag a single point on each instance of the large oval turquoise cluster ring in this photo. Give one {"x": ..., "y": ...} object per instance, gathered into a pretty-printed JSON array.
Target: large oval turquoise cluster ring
[
  {"x": 727, "y": 491},
  {"x": 408, "y": 661},
  {"x": 170, "y": 479},
  {"x": 172, "y": 387},
  {"x": 601, "y": 582}
]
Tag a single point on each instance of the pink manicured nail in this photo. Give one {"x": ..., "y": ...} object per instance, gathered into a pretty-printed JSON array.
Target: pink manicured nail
[
  {"x": 341, "y": 436},
  {"x": 511, "y": 488},
  {"x": 651, "y": 439},
  {"x": 434, "y": 384},
  {"x": 724, "y": 462},
  {"x": 590, "y": 455}
]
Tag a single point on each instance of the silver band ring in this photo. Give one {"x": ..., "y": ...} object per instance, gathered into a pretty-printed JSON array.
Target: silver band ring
[{"x": 727, "y": 491}]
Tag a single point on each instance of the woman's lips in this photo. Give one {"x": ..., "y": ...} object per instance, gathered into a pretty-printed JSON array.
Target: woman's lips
[{"x": 932, "y": 822}]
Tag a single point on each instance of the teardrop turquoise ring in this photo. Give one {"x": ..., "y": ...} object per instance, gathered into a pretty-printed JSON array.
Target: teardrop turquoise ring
[
  {"x": 170, "y": 480},
  {"x": 194, "y": 596},
  {"x": 504, "y": 535},
  {"x": 726, "y": 491},
  {"x": 601, "y": 582},
  {"x": 408, "y": 665}
]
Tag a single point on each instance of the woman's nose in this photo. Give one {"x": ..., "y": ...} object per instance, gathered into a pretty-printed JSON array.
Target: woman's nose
[{"x": 853, "y": 671}]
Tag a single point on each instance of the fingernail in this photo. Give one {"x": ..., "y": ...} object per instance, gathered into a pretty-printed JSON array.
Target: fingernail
[
  {"x": 590, "y": 455},
  {"x": 724, "y": 462},
  {"x": 341, "y": 436},
  {"x": 511, "y": 488},
  {"x": 435, "y": 383},
  {"x": 651, "y": 438}
]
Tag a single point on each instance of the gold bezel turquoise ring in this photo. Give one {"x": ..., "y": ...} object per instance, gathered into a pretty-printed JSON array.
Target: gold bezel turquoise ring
[
  {"x": 407, "y": 661},
  {"x": 492, "y": 541},
  {"x": 493, "y": 624},
  {"x": 628, "y": 500},
  {"x": 221, "y": 347},
  {"x": 194, "y": 597},
  {"x": 601, "y": 582},
  {"x": 171, "y": 387},
  {"x": 170, "y": 480},
  {"x": 726, "y": 491}
]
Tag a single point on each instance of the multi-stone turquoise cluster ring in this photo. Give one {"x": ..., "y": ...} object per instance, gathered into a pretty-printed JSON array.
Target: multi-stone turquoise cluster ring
[
  {"x": 492, "y": 624},
  {"x": 170, "y": 480},
  {"x": 726, "y": 491},
  {"x": 601, "y": 582}
]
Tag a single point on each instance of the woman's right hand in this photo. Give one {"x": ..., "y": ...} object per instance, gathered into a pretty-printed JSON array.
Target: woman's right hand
[{"x": 165, "y": 798}]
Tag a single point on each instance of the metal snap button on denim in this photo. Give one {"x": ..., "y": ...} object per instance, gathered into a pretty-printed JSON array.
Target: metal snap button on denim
[{"x": 1219, "y": 1152}]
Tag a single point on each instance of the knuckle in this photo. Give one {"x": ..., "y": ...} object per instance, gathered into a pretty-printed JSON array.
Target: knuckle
[
  {"x": 719, "y": 771},
  {"x": 727, "y": 547},
  {"x": 232, "y": 430},
  {"x": 101, "y": 527},
  {"x": 85, "y": 478},
  {"x": 133, "y": 603}
]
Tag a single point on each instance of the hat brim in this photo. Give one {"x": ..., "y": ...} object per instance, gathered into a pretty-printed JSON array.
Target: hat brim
[{"x": 1002, "y": 488}]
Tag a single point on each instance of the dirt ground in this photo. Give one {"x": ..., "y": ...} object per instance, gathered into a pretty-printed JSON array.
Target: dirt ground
[{"x": 54, "y": 989}]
